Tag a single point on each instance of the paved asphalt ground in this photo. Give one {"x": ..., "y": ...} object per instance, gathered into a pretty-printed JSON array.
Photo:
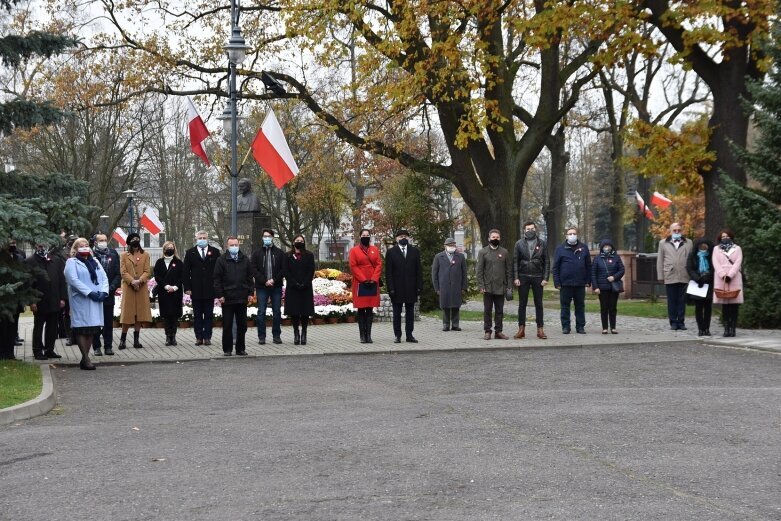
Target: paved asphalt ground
[{"x": 674, "y": 431}]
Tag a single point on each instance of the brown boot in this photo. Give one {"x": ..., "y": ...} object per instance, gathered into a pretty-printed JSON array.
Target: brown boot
[
  {"x": 487, "y": 335},
  {"x": 500, "y": 336},
  {"x": 541, "y": 333},
  {"x": 521, "y": 332}
]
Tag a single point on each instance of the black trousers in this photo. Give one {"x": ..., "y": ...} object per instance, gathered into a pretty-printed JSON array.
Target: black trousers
[
  {"x": 535, "y": 284},
  {"x": 608, "y": 307},
  {"x": 108, "y": 326},
  {"x": 493, "y": 303},
  {"x": 203, "y": 317},
  {"x": 409, "y": 318},
  {"x": 231, "y": 312},
  {"x": 676, "y": 303},
  {"x": 45, "y": 322},
  {"x": 7, "y": 338},
  {"x": 171, "y": 324},
  {"x": 703, "y": 309}
]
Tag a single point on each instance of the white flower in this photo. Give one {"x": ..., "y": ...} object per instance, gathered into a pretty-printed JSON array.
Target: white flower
[{"x": 252, "y": 312}]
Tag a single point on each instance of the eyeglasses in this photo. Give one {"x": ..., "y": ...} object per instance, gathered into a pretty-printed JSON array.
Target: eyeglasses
[{"x": 677, "y": 230}]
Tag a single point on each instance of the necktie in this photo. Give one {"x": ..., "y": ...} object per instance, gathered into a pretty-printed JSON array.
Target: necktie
[
  {"x": 203, "y": 253},
  {"x": 404, "y": 252}
]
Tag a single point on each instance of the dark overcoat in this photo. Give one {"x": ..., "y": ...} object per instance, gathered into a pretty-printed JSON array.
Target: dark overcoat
[
  {"x": 50, "y": 281},
  {"x": 199, "y": 273},
  {"x": 449, "y": 278},
  {"x": 169, "y": 304},
  {"x": 110, "y": 263},
  {"x": 404, "y": 275},
  {"x": 299, "y": 297},
  {"x": 233, "y": 279}
]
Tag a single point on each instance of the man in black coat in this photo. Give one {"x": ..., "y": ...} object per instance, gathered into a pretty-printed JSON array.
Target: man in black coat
[
  {"x": 233, "y": 286},
  {"x": 199, "y": 262},
  {"x": 268, "y": 266},
  {"x": 109, "y": 259},
  {"x": 404, "y": 276},
  {"x": 49, "y": 273}
]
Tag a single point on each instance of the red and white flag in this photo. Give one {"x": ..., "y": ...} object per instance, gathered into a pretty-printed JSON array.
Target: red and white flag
[
  {"x": 198, "y": 132},
  {"x": 151, "y": 222},
  {"x": 659, "y": 200},
  {"x": 270, "y": 150},
  {"x": 643, "y": 208},
  {"x": 120, "y": 236}
]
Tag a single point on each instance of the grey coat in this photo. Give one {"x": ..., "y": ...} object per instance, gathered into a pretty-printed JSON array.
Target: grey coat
[
  {"x": 494, "y": 269},
  {"x": 449, "y": 278},
  {"x": 671, "y": 261}
]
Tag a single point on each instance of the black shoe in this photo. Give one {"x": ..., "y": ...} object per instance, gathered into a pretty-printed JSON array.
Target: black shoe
[
  {"x": 565, "y": 330},
  {"x": 241, "y": 353},
  {"x": 109, "y": 351},
  {"x": 445, "y": 328},
  {"x": 455, "y": 328},
  {"x": 682, "y": 327},
  {"x": 51, "y": 354},
  {"x": 227, "y": 353},
  {"x": 18, "y": 342},
  {"x": 397, "y": 340},
  {"x": 412, "y": 340},
  {"x": 173, "y": 341},
  {"x": 262, "y": 341},
  {"x": 168, "y": 341},
  {"x": 97, "y": 352},
  {"x": 706, "y": 332},
  {"x": 138, "y": 345},
  {"x": 277, "y": 340},
  {"x": 68, "y": 342},
  {"x": 87, "y": 366},
  {"x": 40, "y": 356},
  {"x": 700, "y": 332},
  {"x": 580, "y": 330}
]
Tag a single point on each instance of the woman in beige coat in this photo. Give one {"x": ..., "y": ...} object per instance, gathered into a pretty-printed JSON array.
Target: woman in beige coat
[{"x": 135, "y": 269}]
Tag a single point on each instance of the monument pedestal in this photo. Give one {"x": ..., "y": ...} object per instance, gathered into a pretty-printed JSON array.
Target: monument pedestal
[{"x": 249, "y": 227}]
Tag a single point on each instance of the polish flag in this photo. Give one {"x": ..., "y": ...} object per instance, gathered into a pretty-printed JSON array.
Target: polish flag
[
  {"x": 659, "y": 200},
  {"x": 270, "y": 150},
  {"x": 150, "y": 221},
  {"x": 643, "y": 208},
  {"x": 198, "y": 131},
  {"x": 120, "y": 236}
]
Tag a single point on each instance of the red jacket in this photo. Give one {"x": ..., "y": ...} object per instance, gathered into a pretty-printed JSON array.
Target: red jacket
[{"x": 365, "y": 265}]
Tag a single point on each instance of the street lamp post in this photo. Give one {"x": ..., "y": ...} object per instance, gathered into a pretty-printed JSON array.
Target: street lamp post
[
  {"x": 236, "y": 51},
  {"x": 129, "y": 194},
  {"x": 104, "y": 223}
]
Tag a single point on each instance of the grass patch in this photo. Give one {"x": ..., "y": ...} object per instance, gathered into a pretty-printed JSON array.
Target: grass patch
[{"x": 19, "y": 382}]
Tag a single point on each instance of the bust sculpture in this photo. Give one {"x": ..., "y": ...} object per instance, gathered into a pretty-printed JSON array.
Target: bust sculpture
[{"x": 246, "y": 201}]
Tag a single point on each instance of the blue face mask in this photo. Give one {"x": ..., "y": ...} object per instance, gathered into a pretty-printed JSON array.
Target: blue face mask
[
  {"x": 233, "y": 250},
  {"x": 201, "y": 243},
  {"x": 267, "y": 241},
  {"x": 676, "y": 236}
]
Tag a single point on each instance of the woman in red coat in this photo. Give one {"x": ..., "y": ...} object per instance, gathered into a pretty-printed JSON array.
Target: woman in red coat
[{"x": 366, "y": 267}]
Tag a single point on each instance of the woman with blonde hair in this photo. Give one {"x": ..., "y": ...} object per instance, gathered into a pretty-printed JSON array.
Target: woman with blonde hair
[
  {"x": 169, "y": 275},
  {"x": 87, "y": 289},
  {"x": 135, "y": 269}
]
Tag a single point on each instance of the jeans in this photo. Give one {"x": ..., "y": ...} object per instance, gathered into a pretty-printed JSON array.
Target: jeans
[
  {"x": 535, "y": 284},
  {"x": 229, "y": 313},
  {"x": 490, "y": 303},
  {"x": 450, "y": 317},
  {"x": 409, "y": 318},
  {"x": 49, "y": 320},
  {"x": 264, "y": 292},
  {"x": 567, "y": 294},
  {"x": 203, "y": 317},
  {"x": 608, "y": 307},
  {"x": 676, "y": 304},
  {"x": 108, "y": 326}
]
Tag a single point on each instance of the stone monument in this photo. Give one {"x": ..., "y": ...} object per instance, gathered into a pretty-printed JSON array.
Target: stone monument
[{"x": 249, "y": 219}]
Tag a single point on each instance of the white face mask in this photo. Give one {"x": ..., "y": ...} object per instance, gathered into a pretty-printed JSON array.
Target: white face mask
[
  {"x": 450, "y": 249},
  {"x": 572, "y": 239},
  {"x": 102, "y": 245}
]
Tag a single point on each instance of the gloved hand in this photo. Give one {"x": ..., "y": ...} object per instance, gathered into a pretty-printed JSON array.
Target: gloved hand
[
  {"x": 95, "y": 296},
  {"x": 727, "y": 279},
  {"x": 700, "y": 284},
  {"x": 103, "y": 296}
]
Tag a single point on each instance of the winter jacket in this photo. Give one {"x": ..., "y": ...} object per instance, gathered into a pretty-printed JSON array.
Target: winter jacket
[
  {"x": 693, "y": 265},
  {"x": 494, "y": 269},
  {"x": 233, "y": 278},
  {"x": 604, "y": 266},
  {"x": 538, "y": 265},
  {"x": 571, "y": 265},
  {"x": 259, "y": 259},
  {"x": 671, "y": 261}
]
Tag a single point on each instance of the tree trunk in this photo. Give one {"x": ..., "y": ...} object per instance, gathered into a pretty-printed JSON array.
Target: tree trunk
[
  {"x": 555, "y": 211},
  {"x": 618, "y": 199}
]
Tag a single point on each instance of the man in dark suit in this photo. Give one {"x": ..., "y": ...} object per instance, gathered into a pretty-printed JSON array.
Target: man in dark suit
[
  {"x": 404, "y": 276},
  {"x": 109, "y": 259},
  {"x": 198, "y": 282},
  {"x": 49, "y": 273}
]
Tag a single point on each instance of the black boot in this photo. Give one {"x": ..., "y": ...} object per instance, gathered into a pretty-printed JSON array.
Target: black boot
[
  {"x": 296, "y": 336},
  {"x": 362, "y": 327},
  {"x": 173, "y": 339},
  {"x": 168, "y": 339},
  {"x": 136, "y": 342},
  {"x": 304, "y": 324},
  {"x": 369, "y": 320},
  {"x": 122, "y": 341}
]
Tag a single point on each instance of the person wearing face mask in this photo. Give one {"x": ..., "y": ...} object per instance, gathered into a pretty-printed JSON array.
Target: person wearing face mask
[
  {"x": 607, "y": 272},
  {"x": 268, "y": 265},
  {"x": 571, "y": 274},
  {"x": 87, "y": 289},
  {"x": 366, "y": 269},
  {"x": 531, "y": 270},
  {"x": 299, "y": 270},
  {"x": 50, "y": 282},
  {"x": 136, "y": 270},
  {"x": 671, "y": 268},
  {"x": 728, "y": 276},
  {"x": 449, "y": 278},
  {"x": 198, "y": 281},
  {"x": 404, "y": 274},
  {"x": 494, "y": 272},
  {"x": 233, "y": 287},
  {"x": 699, "y": 264},
  {"x": 109, "y": 259},
  {"x": 169, "y": 273}
]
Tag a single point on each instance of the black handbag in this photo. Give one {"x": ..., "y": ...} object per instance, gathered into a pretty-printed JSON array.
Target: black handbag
[
  {"x": 617, "y": 286},
  {"x": 367, "y": 289},
  {"x": 508, "y": 295}
]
